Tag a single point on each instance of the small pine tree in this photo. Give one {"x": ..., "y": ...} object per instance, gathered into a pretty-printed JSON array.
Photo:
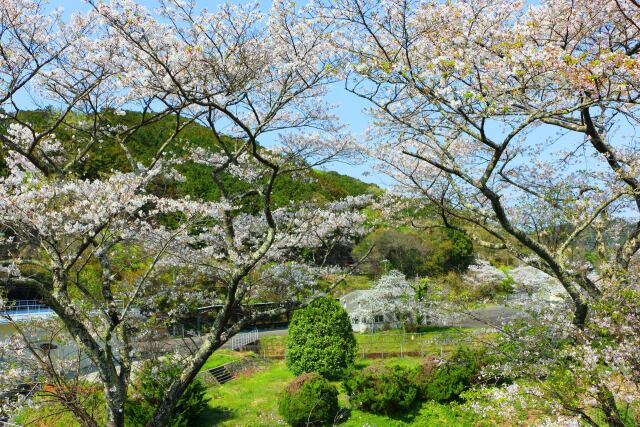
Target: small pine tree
[
  {"x": 321, "y": 339},
  {"x": 309, "y": 400},
  {"x": 382, "y": 389}
]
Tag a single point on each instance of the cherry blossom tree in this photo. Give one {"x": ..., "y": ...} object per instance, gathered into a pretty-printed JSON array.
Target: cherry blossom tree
[
  {"x": 516, "y": 120},
  {"x": 91, "y": 245},
  {"x": 249, "y": 75},
  {"x": 396, "y": 300},
  {"x": 55, "y": 223}
]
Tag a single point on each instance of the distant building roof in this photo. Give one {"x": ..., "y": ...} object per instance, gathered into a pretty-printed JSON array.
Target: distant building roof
[{"x": 350, "y": 301}]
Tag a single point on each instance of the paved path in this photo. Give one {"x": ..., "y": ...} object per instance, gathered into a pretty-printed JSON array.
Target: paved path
[
  {"x": 496, "y": 315},
  {"x": 485, "y": 317}
]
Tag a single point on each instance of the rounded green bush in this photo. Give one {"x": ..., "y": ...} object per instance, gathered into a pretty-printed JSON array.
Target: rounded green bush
[
  {"x": 451, "y": 378},
  {"x": 309, "y": 400},
  {"x": 321, "y": 339},
  {"x": 382, "y": 389}
]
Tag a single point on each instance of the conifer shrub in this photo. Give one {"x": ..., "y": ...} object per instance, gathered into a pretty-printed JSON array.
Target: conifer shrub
[
  {"x": 382, "y": 389},
  {"x": 309, "y": 400},
  {"x": 424, "y": 372},
  {"x": 321, "y": 339},
  {"x": 448, "y": 380}
]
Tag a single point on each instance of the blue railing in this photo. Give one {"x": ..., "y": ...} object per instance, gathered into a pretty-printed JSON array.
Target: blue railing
[{"x": 23, "y": 310}]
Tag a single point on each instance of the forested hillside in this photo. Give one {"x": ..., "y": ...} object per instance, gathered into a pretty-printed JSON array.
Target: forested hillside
[
  {"x": 315, "y": 185},
  {"x": 174, "y": 207}
]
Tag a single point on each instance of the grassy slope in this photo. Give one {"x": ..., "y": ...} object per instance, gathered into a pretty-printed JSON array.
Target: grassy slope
[
  {"x": 252, "y": 401},
  {"x": 220, "y": 357},
  {"x": 352, "y": 283}
]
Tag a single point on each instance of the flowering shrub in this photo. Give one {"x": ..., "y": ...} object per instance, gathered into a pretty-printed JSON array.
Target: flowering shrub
[
  {"x": 382, "y": 389},
  {"x": 321, "y": 339},
  {"x": 309, "y": 400}
]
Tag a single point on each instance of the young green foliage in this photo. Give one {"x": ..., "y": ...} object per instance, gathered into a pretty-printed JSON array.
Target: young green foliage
[{"x": 321, "y": 339}]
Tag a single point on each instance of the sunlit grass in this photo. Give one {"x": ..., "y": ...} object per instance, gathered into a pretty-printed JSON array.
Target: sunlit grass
[
  {"x": 252, "y": 400},
  {"x": 220, "y": 357},
  {"x": 433, "y": 340}
]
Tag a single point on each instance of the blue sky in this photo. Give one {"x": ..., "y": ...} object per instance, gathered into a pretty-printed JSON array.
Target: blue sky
[{"x": 349, "y": 107}]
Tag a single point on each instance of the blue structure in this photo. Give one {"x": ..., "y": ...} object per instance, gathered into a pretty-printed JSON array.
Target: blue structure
[{"x": 24, "y": 311}]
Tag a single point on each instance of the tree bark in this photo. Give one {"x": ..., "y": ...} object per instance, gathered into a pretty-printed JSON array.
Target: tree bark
[
  {"x": 167, "y": 406},
  {"x": 609, "y": 407}
]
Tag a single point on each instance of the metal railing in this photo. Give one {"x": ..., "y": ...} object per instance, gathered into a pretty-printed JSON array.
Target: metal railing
[
  {"x": 232, "y": 369},
  {"x": 243, "y": 339},
  {"x": 23, "y": 304},
  {"x": 8, "y": 424},
  {"x": 24, "y": 310},
  {"x": 19, "y": 310}
]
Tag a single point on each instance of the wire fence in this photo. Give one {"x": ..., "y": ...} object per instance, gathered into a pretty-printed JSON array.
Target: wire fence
[{"x": 381, "y": 345}]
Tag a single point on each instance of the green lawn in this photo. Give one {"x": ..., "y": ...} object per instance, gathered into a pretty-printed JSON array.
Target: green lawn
[
  {"x": 352, "y": 283},
  {"x": 220, "y": 357},
  {"x": 252, "y": 400},
  {"x": 428, "y": 414},
  {"x": 433, "y": 340}
]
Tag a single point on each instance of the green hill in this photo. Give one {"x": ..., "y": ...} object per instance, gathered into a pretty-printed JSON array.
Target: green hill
[{"x": 314, "y": 185}]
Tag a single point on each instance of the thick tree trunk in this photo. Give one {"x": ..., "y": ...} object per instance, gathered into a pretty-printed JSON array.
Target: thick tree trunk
[
  {"x": 167, "y": 406},
  {"x": 580, "y": 312},
  {"x": 114, "y": 399},
  {"x": 609, "y": 407}
]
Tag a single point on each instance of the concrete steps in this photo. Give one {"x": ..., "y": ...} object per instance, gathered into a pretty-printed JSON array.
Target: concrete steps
[{"x": 221, "y": 374}]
